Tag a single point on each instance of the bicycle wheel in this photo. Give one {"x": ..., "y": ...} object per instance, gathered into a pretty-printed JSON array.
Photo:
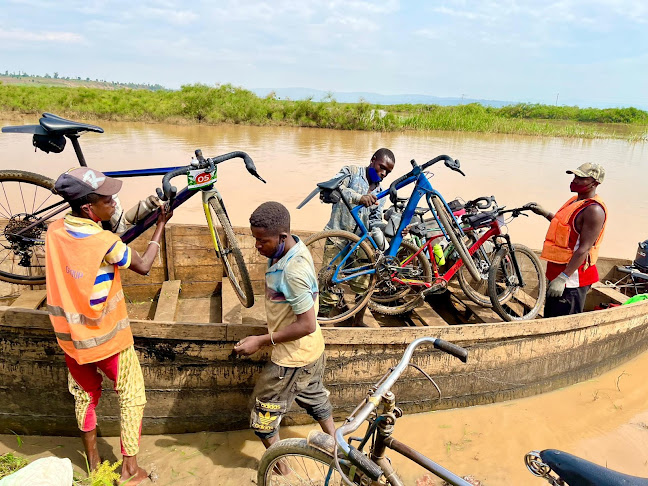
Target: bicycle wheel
[
  {"x": 477, "y": 290},
  {"x": 230, "y": 253},
  {"x": 306, "y": 465},
  {"x": 340, "y": 300},
  {"x": 448, "y": 222},
  {"x": 22, "y": 258},
  {"x": 392, "y": 298},
  {"x": 510, "y": 300}
]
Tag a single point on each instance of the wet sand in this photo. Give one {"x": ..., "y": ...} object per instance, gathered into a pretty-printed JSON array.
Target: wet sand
[{"x": 604, "y": 420}]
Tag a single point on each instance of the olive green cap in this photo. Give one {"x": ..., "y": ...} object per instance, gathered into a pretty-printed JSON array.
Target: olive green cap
[{"x": 589, "y": 169}]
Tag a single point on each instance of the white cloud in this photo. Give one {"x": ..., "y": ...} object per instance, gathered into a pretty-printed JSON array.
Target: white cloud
[{"x": 18, "y": 35}]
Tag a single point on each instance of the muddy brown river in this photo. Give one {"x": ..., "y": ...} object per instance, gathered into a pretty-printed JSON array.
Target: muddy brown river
[
  {"x": 515, "y": 169},
  {"x": 604, "y": 419}
]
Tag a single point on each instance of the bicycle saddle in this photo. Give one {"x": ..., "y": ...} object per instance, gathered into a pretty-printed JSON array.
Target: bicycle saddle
[
  {"x": 333, "y": 183},
  {"x": 579, "y": 472},
  {"x": 56, "y": 125},
  {"x": 325, "y": 187}
]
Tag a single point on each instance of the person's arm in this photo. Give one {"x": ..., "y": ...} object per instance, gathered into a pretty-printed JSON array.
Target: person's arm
[
  {"x": 354, "y": 197},
  {"x": 142, "y": 264},
  {"x": 536, "y": 208},
  {"x": 304, "y": 325},
  {"x": 376, "y": 214},
  {"x": 592, "y": 218},
  {"x": 298, "y": 291}
]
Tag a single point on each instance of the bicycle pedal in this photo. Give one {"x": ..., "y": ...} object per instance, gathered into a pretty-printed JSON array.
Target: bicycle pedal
[{"x": 437, "y": 288}]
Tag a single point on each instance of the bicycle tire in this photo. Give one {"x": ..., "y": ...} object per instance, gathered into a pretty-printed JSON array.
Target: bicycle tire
[
  {"x": 382, "y": 308},
  {"x": 38, "y": 233},
  {"x": 532, "y": 297},
  {"x": 288, "y": 448},
  {"x": 324, "y": 274},
  {"x": 241, "y": 283},
  {"x": 477, "y": 290},
  {"x": 460, "y": 247}
]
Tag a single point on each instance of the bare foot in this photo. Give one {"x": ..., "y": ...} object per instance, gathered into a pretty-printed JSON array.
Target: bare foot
[{"x": 133, "y": 479}]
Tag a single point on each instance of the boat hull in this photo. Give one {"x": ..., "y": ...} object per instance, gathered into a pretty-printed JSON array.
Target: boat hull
[{"x": 195, "y": 383}]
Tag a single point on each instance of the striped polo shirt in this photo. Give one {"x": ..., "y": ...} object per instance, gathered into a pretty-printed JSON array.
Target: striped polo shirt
[{"x": 118, "y": 255}]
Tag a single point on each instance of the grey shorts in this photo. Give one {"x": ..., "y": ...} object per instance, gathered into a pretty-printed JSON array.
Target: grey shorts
[{"x": 276, "y": 389}]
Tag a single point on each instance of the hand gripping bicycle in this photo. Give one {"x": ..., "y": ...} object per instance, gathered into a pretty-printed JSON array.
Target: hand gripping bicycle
[
  {"x": 28, "y": 204},
  {"x": 349, "y": 264}
]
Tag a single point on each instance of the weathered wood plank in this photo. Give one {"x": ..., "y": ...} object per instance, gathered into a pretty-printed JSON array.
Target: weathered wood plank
[
  {"x": 483, "y": 314},
  {"x": 30, "y": 299},
  {"x": 231, "y": 305},
  {"x": 613, "y": 294},
  {"x": 425, "y": 315},
  {"x": 170, "y": 260},
  {"x": 167, "y": 305}
]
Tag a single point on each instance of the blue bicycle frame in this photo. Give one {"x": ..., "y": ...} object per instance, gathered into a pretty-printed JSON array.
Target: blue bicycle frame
[{"x": 421, "y": 189}]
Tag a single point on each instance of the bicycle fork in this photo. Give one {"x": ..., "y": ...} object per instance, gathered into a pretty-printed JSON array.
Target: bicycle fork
[
  {"x": 384, "y": 441},
  {"x": 516, "y": 267},
  {"x": 206, "y": 196}
]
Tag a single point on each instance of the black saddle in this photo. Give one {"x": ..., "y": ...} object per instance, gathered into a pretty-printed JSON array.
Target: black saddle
[
  {"x": 60, "y": 126},
  {"x": 332, "y": 183},
  {"x": 579, "y": 472},
  {"x": 325, "y": 189},
  {"x": 54, "y": 125}
]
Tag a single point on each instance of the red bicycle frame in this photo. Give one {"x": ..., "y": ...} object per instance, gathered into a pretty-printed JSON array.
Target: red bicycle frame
[{"x": 494, "y": 231}]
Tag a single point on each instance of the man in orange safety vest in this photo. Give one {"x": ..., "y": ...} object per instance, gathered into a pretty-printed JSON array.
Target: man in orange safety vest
[
  {"x": 86, "y": 303},
  {"x": 572, "y": 244}
]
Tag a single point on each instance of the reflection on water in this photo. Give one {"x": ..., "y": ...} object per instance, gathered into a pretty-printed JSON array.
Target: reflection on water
[{"x": 516, "y": 169}]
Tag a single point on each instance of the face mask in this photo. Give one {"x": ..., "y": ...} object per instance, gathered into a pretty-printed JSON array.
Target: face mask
[
  {"x": 92, "y": 214},
  {"x": 574, "y": 187},
  {"x": 373, "y": 176},
  {"x": 280, "y": 250}
]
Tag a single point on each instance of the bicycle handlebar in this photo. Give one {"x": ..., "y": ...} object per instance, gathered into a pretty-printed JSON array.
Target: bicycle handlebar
[
  {"x": 169, "y": 192},
  {"x": 481, "y": 203},
  {"x": 353, "y": 422},
  {"x": 449, "y": 162}
]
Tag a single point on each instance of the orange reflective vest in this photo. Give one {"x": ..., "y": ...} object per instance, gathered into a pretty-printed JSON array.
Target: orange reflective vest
[
  {"x": 71, "y": 266},
  {"x": 559, "y": 243}
]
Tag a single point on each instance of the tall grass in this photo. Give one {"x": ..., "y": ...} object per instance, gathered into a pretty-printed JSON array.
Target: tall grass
[{"x": 228, "y": 104}]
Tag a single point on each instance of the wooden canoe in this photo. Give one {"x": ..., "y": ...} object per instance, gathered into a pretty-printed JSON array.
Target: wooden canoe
[{"x": 186, "y": 320}]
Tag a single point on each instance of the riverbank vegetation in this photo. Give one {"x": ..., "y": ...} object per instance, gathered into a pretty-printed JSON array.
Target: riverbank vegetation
[{"x": 228, "y": 104}]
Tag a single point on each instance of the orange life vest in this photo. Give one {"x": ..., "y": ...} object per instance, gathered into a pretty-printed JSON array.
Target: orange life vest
[
  {"x": 557, "y": 246},
  {"x": 71, "y": 266}
]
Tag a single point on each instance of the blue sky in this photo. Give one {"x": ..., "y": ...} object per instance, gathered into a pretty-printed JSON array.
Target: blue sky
[{"x": 584, "y": 51}]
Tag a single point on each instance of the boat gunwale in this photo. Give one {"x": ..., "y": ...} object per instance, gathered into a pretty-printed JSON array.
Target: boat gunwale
[{"x": 17, "y": 318}]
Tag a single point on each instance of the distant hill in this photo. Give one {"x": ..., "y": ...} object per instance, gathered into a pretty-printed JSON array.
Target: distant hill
[
  {"x": 413, "y": 99},
  {"x": 71, "y": 82},
  {"x": 373, "y": 98}
]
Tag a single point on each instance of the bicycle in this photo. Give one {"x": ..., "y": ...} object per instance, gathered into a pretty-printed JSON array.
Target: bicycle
[
  {"x": 326, "y": 461},
  {"x": 349, "y": 265},
  {"x": 511, "y": 279},
  {"x": 23, "y": 237}
]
